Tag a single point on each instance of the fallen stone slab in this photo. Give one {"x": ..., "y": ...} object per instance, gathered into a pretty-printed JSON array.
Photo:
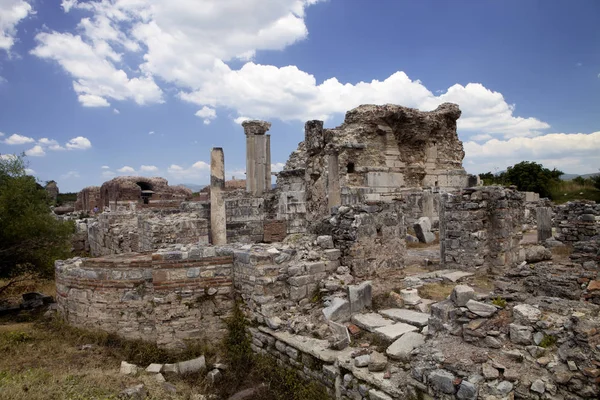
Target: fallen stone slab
[
  {"x": 455, "y": 276},
  {"x": 537, "y": 253},
  {"x": 370, "y": 321},
  {"x": 481, "y": 309},
  {"x": 340, "y": 334},
  {"x": 315, "y": 347},
  {"x": 401, "y": 348},
  {"x": 338, "y": 310},
  {"x": 410, "y": 317},
  {"x": 423, "y": 230},
  {"x": 128, "y": 369},
  {"x": 378, "y": 395},
  {"x": 393, "y": 332},
  {"x": 214, "y": 376},
  {"x": 170, "y": 368},
  {"x": 154, "y": 368},
  {"x": 194, "y": 365},
  {"x": 520, "y": 334}
]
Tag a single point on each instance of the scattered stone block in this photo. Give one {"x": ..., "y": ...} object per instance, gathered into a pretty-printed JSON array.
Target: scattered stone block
[
  {"x": 128, "y": 369},
  {"x": 525, "y": 313},
  {"x": 170, "y": 368},
  {"x": 360, "y": 296},
  {"x": 423, "y": 230},
  {"x": 377, "y": 362},
  {"x": 159, "y": 378},
  {"x": 325, "y": 242},
  {"x": 338, "y": 310},
  {"x": 467, "y": 391},
  {"x": 214, "y": 376},
  {"x": 274, "y": 322},
  {"x": 489, "y": 372},
  {"x": 504, "y": 388},
  {"x": 393, "y": 332},
  {"x": 455, "y": 276},
  {"x": 520, "y": 334},
  {"x": 362, "y": 361},
  {"x": 137, "y": 392},
  {"x": 481, "y": 309},
  {"x": 408, "y": 316},
  {"x": 370, "y": 321},
  {"x": 537, "y": 253},
  {"x": 442, "y": 380},
  {"x": 461, "y": 294},
  {"x": 340, "y": 334},
  {"x": 194, "y": 365},
  {"x": 402, "y": 347},
  {"x": 154, "y": 368}
]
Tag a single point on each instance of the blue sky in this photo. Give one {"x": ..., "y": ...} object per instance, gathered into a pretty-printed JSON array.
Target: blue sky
[{"x": 95, "y": 89}]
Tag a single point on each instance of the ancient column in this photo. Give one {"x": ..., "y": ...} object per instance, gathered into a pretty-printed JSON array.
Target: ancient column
[
  {"x": 334, "y": 197},
  {"x": 544, "y": 223},
  {"x": 258, "y": 157},
  {"x": 217, "y": 202}
]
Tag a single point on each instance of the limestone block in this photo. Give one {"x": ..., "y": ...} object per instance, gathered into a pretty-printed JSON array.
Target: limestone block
[
  {"x": 520, "y": 334},
  {"x": 481, "y": 309},
  {"x": 370, "y": 321},
  {"x": 402, "y": 347},
  {"x": 338, "y": 310},
  {"x": 408, "y": 316},
  {"x": 526, "y": 314},
  {"x": 442, "y": 380},
  {"x": 325, "y": 242},
  {"x": 461, "y": 294},
  {"x": 128, "y": 369},
  {"x": 393, "y": 332},
  {"x": 377, "y": 362},
  {"x": 137, "y": 392},
  {"x": 537, "y": 254},
  {"x": 467, "y": 391},
  {"x": 154, "y": 368},
  {"x": 360, "y": 296}
]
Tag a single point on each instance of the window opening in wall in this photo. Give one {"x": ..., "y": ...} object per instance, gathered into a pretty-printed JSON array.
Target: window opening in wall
[
  {"x": 350, "y": 168},
  {"x": 146, "y": 191}
]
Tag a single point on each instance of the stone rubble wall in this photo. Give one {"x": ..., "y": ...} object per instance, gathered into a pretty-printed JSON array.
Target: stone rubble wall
[
  {"x": 165, "y": 298},
  {"x": 371, "y": 238},
  {"x": 291, "y": 200},
  {"x": 530, "y": 216},
  {"x": 481, "y": 226},
  {"x": 158, "y": 231},
  {"x": 113, "y": 233},
  {"x": 577, "y": 221},
  {"x": 269, "y": 276}
]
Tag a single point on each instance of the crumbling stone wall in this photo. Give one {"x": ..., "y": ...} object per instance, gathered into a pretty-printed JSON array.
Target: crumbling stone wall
[
  {"x": 165, "y": 298},
  {"x": 291, "y": 200},
  {"x": 114, "y": 233},
  {"x": 125, "y": 189},
  {"x": 88, "y": 198},
  {"x": 481, "y": 227},
  {"x": 370, "y": 237},
  {"x": 577, "y": 221},
  {"x": 157, "y": 231}
]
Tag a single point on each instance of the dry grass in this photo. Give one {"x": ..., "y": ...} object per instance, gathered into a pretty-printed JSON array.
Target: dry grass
[
  {"x": 45, "y": 361},
  {"x": 482, "y": 283},
  {"x": 13, "y": 293},
  {"x": 436, "y": 291}
]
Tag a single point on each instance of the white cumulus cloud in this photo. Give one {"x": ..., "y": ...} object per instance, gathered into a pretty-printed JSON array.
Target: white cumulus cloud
[
  {"x": 79, "y": 143},
  {"x": 16, "y": 139},
  {"x": 148, "y": 168},
  {"x": 11, "y": 13},
  {"x": 105, "y": 167},
  {"x": 126, "y": 170},
  {"x": 35, "y": 151},
  {"x": 572, "y": 153},
  {"x": 276, "y": 167},
  {"x": 207, "y": 114},
  {"x": 51, "y": 144},
  {"x": 200, "y": 170}
]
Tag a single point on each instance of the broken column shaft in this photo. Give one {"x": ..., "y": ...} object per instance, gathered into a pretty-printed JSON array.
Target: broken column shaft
[
  {"x": 217, "y": 202},
  {"x": 258, "y": 157}
]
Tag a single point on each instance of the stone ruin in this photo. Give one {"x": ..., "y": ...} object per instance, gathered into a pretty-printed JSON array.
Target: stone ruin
[{"x": 328, "y": 274}]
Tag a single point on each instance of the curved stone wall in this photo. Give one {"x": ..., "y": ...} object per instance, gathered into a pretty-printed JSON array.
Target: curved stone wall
[{"x": 164, "y": 298}]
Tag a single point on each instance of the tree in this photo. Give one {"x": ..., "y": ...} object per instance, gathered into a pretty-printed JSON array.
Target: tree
[
  {"x": 530, "y": 176},
  {"x": 596, "y": 181},
  {"x": 31, "y": 238}
]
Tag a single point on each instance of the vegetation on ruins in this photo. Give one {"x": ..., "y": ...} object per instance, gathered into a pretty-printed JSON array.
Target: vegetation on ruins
[
  {"x": 31, "y": 238},
  {"x": 527, "y": 176}
]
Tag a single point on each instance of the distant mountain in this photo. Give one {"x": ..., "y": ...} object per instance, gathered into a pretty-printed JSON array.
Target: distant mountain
[
  {"x": 568, "y": 177},
  {"x": 192, "y": 186}
]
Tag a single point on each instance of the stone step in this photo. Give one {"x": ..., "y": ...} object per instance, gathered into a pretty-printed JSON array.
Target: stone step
[
  {"x": 408, "y": 316},
  {"x": 393, "y": 332},
  {"x": 401, "y": 348},
  {"x": 370, "y": 321}
]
